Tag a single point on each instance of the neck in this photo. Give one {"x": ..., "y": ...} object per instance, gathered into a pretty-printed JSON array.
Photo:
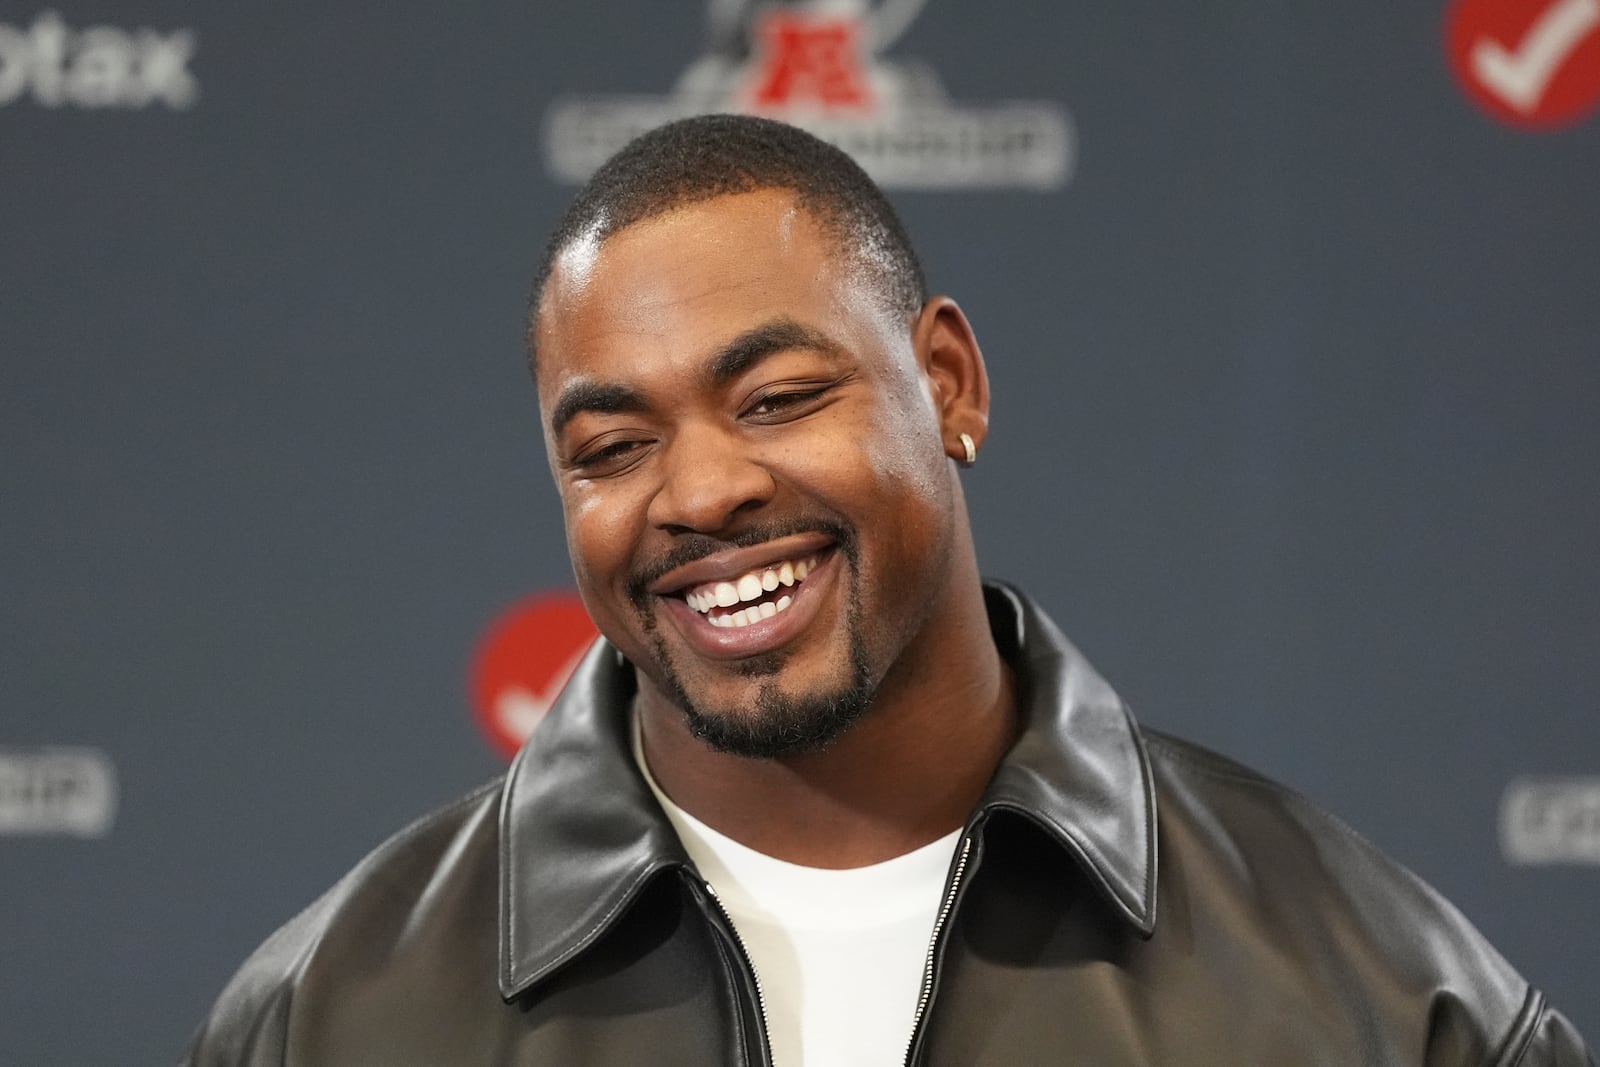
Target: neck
[{"x": 909, "y": 772}]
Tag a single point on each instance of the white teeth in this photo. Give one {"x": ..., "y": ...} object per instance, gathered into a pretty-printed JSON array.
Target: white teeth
[
  {"x": 754, "y": 613},
  {"x": 747, "y": 587}
]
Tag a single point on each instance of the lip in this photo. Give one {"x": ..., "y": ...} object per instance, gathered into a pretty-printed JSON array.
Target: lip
[
  {"x": 766, "y": 635},
  {"x": 729, "y": 564}
]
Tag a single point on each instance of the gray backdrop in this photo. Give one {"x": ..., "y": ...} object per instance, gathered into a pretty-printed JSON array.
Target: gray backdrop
[{"x": 1295, "y": 368}]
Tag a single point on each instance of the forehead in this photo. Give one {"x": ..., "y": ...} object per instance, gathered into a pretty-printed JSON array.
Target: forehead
[{"x": 670, "y": 288}]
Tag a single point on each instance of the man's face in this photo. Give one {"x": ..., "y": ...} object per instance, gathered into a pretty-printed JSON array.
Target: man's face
[{"x": 757, "y": 501}]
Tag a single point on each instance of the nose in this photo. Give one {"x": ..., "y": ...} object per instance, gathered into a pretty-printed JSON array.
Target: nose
[{"x": 708, "y": 478}]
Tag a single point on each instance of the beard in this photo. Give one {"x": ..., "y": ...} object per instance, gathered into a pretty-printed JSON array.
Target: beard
[{"x": 780, "y": 723}]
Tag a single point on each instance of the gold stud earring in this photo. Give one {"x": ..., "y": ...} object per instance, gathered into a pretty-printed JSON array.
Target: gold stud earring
[{"x": 971, "y": 450}]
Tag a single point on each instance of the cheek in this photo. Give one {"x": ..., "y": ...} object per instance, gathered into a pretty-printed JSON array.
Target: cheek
[
  {"x": 905, "y": 449},
  {"x": 600, "y": 540},
  {"x": 874, "y": 462},
  {"x": 904, "y": 512}
]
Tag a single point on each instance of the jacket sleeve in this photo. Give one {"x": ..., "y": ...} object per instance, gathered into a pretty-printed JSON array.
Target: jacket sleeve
[
  {"x": 249, "y": 1025},
  {"x": 242, "y": 1031},
  {"x": 1550, "y": 1041},
  {"x": 1499, "y": 1020}
]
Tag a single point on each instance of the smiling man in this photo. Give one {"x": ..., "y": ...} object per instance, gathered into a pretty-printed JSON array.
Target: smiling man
[{"x": 821, "y": 796}]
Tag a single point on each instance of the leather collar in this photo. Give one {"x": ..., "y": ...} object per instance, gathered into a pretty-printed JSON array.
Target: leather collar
[{"x": 581, "y": 834}]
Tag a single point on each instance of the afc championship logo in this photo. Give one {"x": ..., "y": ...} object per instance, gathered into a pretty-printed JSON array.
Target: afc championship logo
[{"x": 824, "y": 65}]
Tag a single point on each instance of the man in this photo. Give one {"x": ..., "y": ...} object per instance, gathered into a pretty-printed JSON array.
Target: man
[{"x": 821, "y": 796}]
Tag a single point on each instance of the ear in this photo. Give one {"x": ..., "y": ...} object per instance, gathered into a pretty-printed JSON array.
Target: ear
[{"x": 957, "y": 380}]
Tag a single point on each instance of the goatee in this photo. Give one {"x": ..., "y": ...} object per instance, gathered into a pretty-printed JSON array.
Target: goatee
[{"x": 780, "y": 723}]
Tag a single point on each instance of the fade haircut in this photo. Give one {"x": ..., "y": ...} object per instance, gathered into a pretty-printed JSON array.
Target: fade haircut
[{"x": 697, "y": 159}]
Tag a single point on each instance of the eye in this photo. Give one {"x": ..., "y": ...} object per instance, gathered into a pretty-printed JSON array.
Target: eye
[
  {"x": 780, "y": 405},
  {"x": 608, "y": 458}
]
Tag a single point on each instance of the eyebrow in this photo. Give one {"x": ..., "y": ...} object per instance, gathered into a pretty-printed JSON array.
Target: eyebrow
[
  {"x": 727, "y": 363},
  {"x": 599, "y": 397},
  {"x": 768, "y": 339}
]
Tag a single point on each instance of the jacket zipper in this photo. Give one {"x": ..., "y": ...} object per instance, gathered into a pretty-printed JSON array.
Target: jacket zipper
[
  {"x": 923, "y": 997},
  {"x": 933, "y": 945},
  {"x": 755, "y": 979}
]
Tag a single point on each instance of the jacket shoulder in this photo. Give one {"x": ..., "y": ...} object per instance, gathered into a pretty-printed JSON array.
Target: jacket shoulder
[
  {"x": 442, "y": 868},
  {"x": 1340, "y": 913}
]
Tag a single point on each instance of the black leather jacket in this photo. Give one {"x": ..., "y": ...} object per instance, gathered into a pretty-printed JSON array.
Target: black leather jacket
[{"x": 555, "y": 920}]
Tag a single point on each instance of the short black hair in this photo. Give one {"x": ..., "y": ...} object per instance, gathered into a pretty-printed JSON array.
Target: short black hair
[{"x": 696, "y": 159}]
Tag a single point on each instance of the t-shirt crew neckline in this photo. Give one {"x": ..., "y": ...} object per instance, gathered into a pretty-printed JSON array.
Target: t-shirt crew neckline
[
  {"x": 839, "y": 954},
  {"x": 812, "y": 898}
]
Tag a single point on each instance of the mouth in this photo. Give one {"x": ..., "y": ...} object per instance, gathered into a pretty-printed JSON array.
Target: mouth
[
  {"x": 752, "y": 596},
  {"x": 751, "y": 601}
]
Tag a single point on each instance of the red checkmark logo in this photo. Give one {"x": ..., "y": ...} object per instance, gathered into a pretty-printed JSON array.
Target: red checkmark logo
[
  {"x": 1531, "y": 63},
  {"x": 522, "y": 663}
]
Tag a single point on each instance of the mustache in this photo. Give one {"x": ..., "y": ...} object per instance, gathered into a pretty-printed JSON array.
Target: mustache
[{"x": 695, "y": 546}]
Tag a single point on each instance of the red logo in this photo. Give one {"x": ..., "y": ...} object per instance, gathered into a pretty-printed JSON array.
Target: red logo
[
  {"x": 523, "y": 661},
  {"x": 806, "y": 59},
  {"x": 1528, "y": 62}
]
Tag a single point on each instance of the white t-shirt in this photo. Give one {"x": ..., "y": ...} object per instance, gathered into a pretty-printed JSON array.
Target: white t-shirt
[{"x": 838, "y": 954}]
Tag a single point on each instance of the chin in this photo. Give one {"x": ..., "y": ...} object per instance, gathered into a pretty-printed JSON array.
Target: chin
[
  {"x": 785, "y": 702},
  {"x": 782, "y": 724},
  {"x": 770, "y": 713}
]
